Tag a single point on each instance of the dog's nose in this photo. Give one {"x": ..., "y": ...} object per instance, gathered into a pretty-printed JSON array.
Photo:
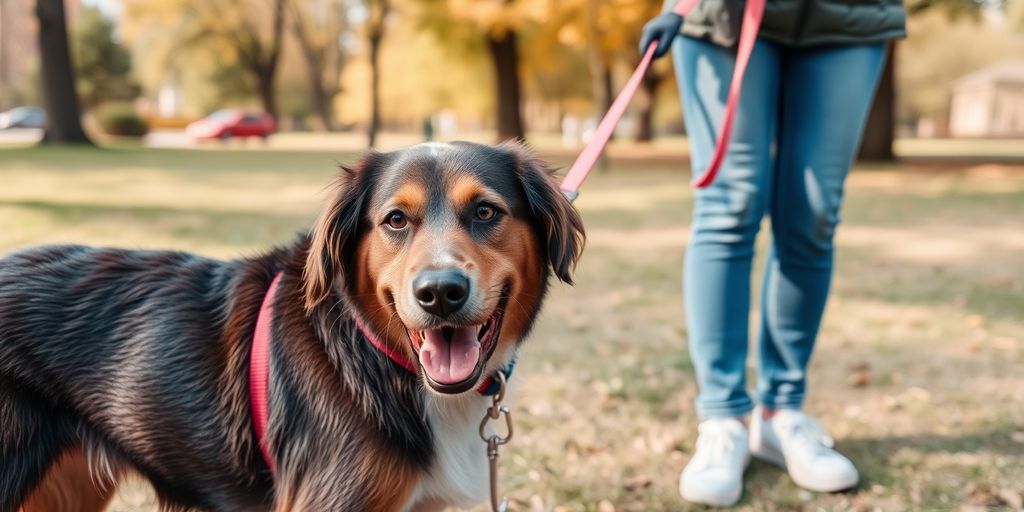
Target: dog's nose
[{"x": 441, "y": 292}]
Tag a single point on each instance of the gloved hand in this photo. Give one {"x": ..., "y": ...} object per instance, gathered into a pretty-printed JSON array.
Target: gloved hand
[{"x": 663, "y": 28}]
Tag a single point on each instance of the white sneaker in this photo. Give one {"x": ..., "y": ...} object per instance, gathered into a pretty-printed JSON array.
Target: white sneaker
[
  {"x": 798, "y": 443},
  {"x": 715, "y": 473}
]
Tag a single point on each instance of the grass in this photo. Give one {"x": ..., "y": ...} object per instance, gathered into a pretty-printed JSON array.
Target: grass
[{"x": 917, "y": 371}]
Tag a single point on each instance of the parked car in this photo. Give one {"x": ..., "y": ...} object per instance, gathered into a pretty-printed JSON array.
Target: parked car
[
  {"x": 23, "y": 117},
  {"x": 228, "y": 123}
]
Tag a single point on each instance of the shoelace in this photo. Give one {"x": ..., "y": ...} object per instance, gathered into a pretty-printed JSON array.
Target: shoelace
[
  {"x": 716, "y": 442},
  {"x": 809, "y": 433}
]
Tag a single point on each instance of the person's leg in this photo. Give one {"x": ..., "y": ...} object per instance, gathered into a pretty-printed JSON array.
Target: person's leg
[
  {"x": 726, "y": 216},
  {"x": 716, "y": 277},
  {"x": 827, "y": 92}
]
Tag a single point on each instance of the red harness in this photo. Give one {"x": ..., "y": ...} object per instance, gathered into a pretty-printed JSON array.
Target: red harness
[{"x": 259, "y": 369}]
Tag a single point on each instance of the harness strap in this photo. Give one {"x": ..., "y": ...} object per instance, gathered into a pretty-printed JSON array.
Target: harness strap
[
  {"x": 752, "y": 14},
  {"x": 259, "y": 372}
]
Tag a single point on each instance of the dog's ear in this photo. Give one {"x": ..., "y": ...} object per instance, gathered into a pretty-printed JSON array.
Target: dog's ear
[
  {"x": 336, "y": 232},
  {"x": 559, "y": 221}
]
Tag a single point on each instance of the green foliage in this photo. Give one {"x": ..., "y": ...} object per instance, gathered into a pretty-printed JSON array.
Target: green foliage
[
  {"x": 102, "y": 65},
  {"x": 120, "y": 118}
]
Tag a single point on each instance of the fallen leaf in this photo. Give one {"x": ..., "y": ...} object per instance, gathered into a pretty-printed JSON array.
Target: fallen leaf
[{"x": 859, "y": 379}]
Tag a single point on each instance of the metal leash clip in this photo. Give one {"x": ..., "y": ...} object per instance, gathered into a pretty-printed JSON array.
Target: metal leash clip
[{"x": 494, "y": 412}]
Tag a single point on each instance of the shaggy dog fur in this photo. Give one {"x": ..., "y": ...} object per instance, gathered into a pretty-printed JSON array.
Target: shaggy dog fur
[{"x": 116, "y": 361}]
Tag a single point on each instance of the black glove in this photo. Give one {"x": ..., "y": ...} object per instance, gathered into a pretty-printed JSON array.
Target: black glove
[{"x": 663, "y": 28}]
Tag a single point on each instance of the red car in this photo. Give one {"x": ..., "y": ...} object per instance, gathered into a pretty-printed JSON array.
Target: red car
[{"x": 228, "y": 123}]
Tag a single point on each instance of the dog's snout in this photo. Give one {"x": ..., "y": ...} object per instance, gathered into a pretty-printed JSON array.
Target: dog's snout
[{"x": 441, "y": 292}]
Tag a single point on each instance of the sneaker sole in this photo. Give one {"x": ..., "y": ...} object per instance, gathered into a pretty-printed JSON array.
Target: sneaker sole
[
  {"x": 775, "y": 457},
  {"x": 709, "y": 500}
]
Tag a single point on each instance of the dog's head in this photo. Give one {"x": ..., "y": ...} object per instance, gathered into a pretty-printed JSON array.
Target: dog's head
[{"x": 445, "y": 251}]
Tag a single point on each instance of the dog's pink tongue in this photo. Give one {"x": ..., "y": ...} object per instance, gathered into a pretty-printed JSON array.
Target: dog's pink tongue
[{"x": 450, "y": 362}]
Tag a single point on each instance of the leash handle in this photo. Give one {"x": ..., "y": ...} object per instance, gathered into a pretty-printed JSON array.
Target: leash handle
[{"x": 585, "y": 162}]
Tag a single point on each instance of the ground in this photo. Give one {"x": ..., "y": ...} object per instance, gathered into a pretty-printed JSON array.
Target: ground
[{"x": 917, "y": 373}]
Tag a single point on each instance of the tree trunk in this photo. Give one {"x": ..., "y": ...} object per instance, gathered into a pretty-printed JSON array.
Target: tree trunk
[
  {"x": 265, "y": 88},
  {"x": 374, "y": 90},
  {"x": 880, "y": 129},
  {"x": 317, "y": 54},
  {"x": 322, "y": 101},
  {"x": 645, "y": 114},
  {"x": 505, "y": 57},
  {"x": 268, "y": 73},
  {"x": 323, "y": 107},
  {"x": 63, "y": 118}
]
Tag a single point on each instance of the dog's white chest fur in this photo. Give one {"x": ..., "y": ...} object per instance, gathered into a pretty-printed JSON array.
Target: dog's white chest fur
[{"x": 459, "y": 476}]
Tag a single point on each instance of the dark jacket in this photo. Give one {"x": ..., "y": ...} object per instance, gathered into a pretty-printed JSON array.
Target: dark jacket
[{"x": 801, "y": 22}]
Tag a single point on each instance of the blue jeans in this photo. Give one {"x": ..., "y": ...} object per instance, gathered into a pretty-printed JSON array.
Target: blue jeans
[{"x": 796, "y": 132}]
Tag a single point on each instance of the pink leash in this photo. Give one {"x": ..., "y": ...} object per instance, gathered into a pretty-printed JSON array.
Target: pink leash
[{"x": 588, "y": 157}]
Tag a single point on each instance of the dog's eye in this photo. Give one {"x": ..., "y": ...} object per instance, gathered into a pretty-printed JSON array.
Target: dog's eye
[
  {"x": 485, "y": 211},
  {"x": 396, "y": 220}
]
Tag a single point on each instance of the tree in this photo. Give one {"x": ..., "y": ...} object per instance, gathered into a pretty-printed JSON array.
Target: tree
[
  {"x": 233, "y": 46},
  {"x": 600, "y": 57},
  {"x": 607, "y": 31},
  {"x": 102, "y": 65},
  {"x": 319, "y": 27},
  {"x": 64, "y": 125},
  {"x": 375, "y": 27},
  {"x": 656, "y": 75},
  {"x": 239, "y": 25},
  {"x": 497, "y": 24},
  {"x": 502, "y": 43}
]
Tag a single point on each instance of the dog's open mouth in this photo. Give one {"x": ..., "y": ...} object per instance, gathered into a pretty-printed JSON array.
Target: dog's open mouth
[{"x": 452, "y": 357}]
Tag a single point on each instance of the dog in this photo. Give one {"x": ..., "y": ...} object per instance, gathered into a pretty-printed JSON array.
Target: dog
[{"x": 117, "y": 362}]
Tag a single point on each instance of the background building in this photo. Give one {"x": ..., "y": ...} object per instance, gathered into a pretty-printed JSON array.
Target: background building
[{"x": 989, "y": 102}]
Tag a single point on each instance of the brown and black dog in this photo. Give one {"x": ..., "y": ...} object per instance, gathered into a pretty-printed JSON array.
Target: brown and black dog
[{"x": 115, "y": 361}]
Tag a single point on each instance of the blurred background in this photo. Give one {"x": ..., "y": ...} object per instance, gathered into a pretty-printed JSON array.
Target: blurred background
[
  {"x": 214, "y": 126},
  {"x": 449, "y": 68}
]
